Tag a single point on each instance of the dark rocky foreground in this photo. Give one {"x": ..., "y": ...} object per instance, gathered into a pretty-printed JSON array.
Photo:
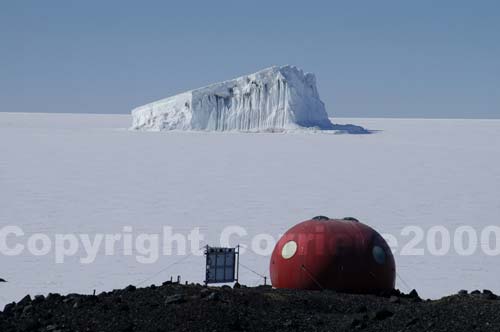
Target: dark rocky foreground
[{"x": 173, "y": 307}]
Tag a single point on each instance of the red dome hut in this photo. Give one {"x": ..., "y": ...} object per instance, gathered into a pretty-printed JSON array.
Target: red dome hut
[{"x": 340, "y": 254}]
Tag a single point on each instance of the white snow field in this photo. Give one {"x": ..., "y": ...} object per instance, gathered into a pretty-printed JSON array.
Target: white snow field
[
  {"x": 276, "y": 98},
  {"x": 64, "y": 173}
]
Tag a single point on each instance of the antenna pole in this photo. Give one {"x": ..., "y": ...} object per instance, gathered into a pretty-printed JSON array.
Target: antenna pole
[
  {"x": 206, "y": 266},
  {"x": 238, "y": 265}
]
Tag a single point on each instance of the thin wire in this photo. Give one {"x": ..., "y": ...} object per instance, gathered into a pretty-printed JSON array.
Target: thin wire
[
  {"x": 167, "y": 267},
  {"x": 312, "y": 278},
  {"x": 404, "y": 282},
  {"x": 185, "y": 257},
  {"x": 249, "y": 269},
  {"x": 164, "y": 269}
]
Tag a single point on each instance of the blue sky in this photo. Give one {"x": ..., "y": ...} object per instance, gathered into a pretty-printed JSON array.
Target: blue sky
[{"x": 371, "y": 58}]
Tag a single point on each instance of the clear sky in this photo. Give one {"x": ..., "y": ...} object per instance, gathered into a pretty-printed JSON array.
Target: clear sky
[{"x": 422, "y": 58}]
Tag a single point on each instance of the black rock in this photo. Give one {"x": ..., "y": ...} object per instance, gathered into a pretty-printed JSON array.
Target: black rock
[
  {"x": 361, "y": 309},
  {"x": 382, "y": 314},
  {"x": 490, "y": 296},
  {"x": 411, "y": 322},
  {"x": 28, "y": 325},
  {"x": 38, "y": 299},
  {"x": 9, "y": 307},
  {"x": 249, "y": 309},
  {"x": 130, "y": 288},
  {"x": 394, "y": 299},
  {"x": 124, "y": 307},
  {"x": 47, "y": 315},
  {"x": 178, "y": 298},
  {"x": 104, "y": 307},
  {"x": 92, "y": 298},
  {"x": 355, "y": 322},
  {"x": 475, "y": 292},
  {"x": 25, "y": 301},
  {"x": 205, "y": 292},
  {"x": 264, "y": 287},
  {"x": 414, "y": 294},
  {"x": 54, "y": 297},
  {"x": 27, "y": 309},
  {"x": 463, "y": 292},
  {"x": 128, "y": 327},
  {"x": 3, "y": 280},
  {"x": 213, "y": 296}
]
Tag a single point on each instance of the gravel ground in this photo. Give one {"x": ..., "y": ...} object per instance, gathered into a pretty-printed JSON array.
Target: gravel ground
[{"x": 173, "y": 307}]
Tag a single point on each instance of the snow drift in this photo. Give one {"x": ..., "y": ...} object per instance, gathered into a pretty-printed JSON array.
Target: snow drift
[{"x": 273, "y": 99}]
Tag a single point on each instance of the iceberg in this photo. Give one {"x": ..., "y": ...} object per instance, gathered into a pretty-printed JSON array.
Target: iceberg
[{"x": 274, "y": 99}]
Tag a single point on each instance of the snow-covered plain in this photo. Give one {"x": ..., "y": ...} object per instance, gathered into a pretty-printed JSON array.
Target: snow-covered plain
[{"x": 63, "y": 173}]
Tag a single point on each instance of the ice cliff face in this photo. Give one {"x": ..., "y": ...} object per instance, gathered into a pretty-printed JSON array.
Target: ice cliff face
[{"x": 277, "y": 98}]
